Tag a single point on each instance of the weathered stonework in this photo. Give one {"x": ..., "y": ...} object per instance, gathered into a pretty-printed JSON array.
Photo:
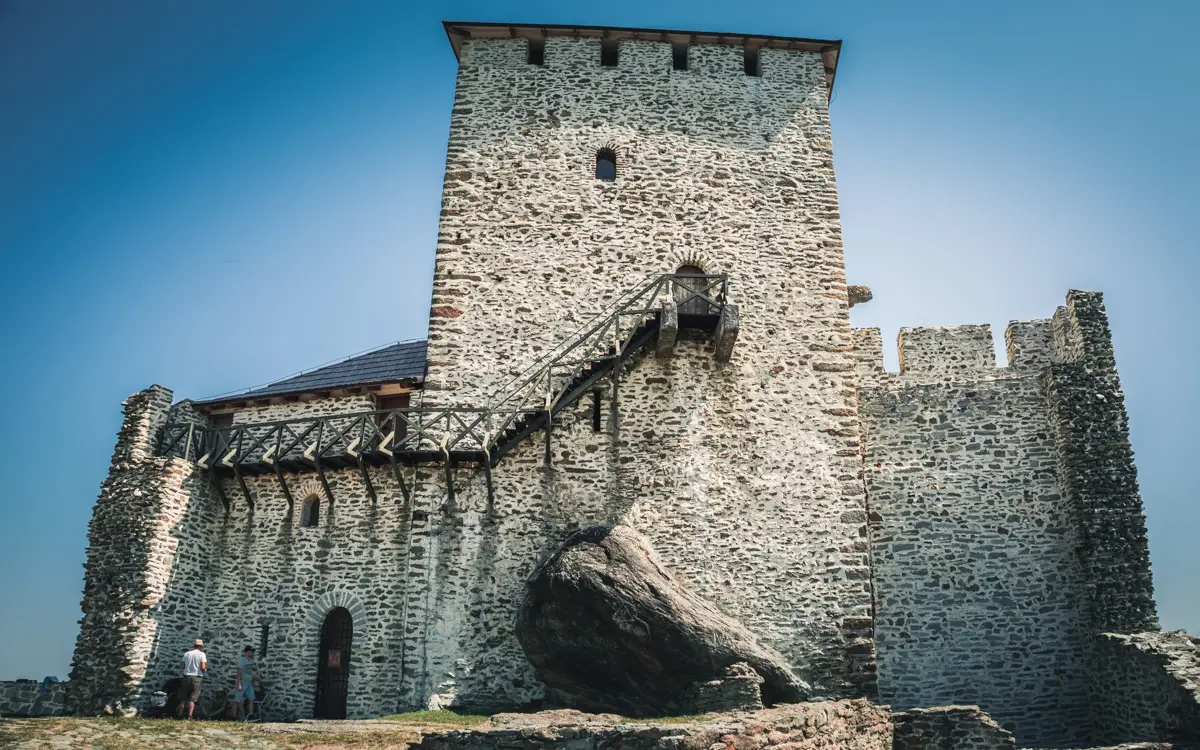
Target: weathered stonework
[
  {"x": 28, "y": 698},
  {"x": 1007, "y": 529},
  {"x": 949, "y": 728},
  {"x": 739, "y": 689},
  {"x": 842, "y": 725},
  {"x": 979, "y": 526},
  {"x": 745, "y": 476},
  {"x": 1148, "y": 685},
  {"x": 142, "y": 564}
]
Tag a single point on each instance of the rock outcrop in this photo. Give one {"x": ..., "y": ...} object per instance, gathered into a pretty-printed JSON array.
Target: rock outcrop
[{"x": 608, "y": 629}]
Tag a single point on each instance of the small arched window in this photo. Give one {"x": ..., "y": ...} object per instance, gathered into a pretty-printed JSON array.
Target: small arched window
[
  {"x": 310, "y": 512},
  {"x": 686, "y": 288},
  {"x": 606, "y": 164}
]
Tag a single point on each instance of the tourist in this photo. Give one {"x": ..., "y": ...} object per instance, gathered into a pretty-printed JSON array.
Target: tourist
[
  {"x": 243, "y": 686},
  {"x": 195, "y": 664}
]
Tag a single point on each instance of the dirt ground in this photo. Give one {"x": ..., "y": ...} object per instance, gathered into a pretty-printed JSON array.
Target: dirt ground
[{"x": 394, "y": 733}]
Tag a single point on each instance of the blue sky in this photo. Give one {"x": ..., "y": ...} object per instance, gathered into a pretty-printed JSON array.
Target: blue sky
[{"x": 210, "y": 195}]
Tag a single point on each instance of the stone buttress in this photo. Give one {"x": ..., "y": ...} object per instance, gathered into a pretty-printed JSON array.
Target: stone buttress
[{"x": 143, "y": 583}]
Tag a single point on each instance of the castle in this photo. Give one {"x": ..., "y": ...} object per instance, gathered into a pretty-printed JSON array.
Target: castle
[{"x": 640, "y": 314}]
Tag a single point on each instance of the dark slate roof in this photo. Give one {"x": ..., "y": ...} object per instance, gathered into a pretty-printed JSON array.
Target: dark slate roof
[{"x": 403, "y": 360}]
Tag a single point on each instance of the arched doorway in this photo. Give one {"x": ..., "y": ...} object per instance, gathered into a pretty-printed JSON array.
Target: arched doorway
[
  {"x": 333, "y": 669},
  {"x": 685, "y": 288}
]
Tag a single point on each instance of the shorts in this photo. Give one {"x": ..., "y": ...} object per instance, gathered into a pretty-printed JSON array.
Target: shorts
[
  {"x": 189, "y": 689},
  {"x": 245, "y": 694}
]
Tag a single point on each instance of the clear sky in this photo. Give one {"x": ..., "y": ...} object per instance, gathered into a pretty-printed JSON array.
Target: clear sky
[{"x": 214, "y": 194}]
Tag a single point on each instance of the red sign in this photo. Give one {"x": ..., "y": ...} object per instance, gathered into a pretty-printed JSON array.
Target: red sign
[{"x": 334, "y": 659}]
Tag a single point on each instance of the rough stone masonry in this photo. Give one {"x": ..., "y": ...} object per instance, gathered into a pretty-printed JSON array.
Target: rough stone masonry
[{"x": 955, "y": 533}]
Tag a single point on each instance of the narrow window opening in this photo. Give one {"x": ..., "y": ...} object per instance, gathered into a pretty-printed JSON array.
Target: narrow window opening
[
  {"x": 537, "y": 52},
  {"x": 310, "y": 513},
  {"x": 751, "y": 60},
  {"x": 264, "y": 637},
  {"x": 679, "y": 56},
  {"x": 608, "y": 53},
  {"x": 606, "y": 164},
  {"x": 220, "y": 421},
  {"x": 596, "y": 411}
]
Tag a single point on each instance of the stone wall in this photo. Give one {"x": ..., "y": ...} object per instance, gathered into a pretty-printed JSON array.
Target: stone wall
[
  {"x": 746, "y": 476},
  {"x": 1087, "y": 409},
  {"x": 1007, "y": 528},
  {"x": 29, "y": 698},
  {"x": 1147, "y": 687},
  {"x": 978, "y": 588},
  {"x": 739, "y": 689},
  {"x": 949, "y": 728},
  {"x": 141, "y": 578}
]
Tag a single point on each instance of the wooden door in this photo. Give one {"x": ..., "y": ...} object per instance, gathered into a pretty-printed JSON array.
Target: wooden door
[
  {"x": 685, "y": 288},
  {"x": 333, "y": 671}
]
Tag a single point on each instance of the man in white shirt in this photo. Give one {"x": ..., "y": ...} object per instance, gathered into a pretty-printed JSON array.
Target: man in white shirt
[{"x": 195, "y": 664}]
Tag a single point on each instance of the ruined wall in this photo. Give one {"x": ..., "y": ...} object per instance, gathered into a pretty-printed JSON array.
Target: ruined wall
[
  {"x": 841, "y": 725},
  {"x": 29, "y": 698},
  {"x": 141, "y": 583},
  {"x": 1007, "y": 529},
  {"x": 1095, "y": 457},
  {"x": 746, "y": 477},
  {"x": 1147, "y": 687},
  {"x": 949, "y": 728},
  {"x": 977, "y": 586}
]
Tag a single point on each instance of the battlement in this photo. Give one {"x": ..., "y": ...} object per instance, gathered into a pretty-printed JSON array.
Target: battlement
[
  {"x": 951, "y": 353},
  {"x": 946, "y": 352},
  {"x": 649, "y": 51}
]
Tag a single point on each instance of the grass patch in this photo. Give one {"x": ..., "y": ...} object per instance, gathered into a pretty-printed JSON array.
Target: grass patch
[
  {"x": 687, "y": 719},
  {"x": 447, "y": 718},
  {"x": 397, "y": 740},
  {"x": 13, "y": 731}
]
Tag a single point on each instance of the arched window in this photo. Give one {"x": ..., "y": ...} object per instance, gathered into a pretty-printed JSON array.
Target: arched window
[
  {"x": 606, "y": 164},
  {"x": 310, "y": 512},
  {"x": 685, "y": 288}
]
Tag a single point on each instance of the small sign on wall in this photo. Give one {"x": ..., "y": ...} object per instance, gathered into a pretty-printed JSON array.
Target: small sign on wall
[{"x": 334, "y": 658}]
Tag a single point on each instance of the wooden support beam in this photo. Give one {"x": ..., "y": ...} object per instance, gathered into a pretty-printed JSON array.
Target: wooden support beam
[
  {"x": 324, "y": 481},
  {"x": 449, "y": 482},
  {"x": 362, "y": 468},
  {"x": 399, "y": 478},
  {"x": 614, "y": 408},
  {"x": 237, "y": 473},
  {"x": 283, "y": 485},
  {"x": 487, "y": 476},
  {"x": 726, "y": 332},
  {"x": 668, "y": 328},
  {"x": 220, "y": 490},
  {"x": 549, "y": 429}
]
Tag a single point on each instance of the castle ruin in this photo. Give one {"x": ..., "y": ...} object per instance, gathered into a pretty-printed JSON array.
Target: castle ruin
[{"x": 640, "y": 315}]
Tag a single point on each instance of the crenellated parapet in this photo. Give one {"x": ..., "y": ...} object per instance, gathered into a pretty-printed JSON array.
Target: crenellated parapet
[
  {"x": 1008, "y": 529},
  {"x": 946, "y": 352}
]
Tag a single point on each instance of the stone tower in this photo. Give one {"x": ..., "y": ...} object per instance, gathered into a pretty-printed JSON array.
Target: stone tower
[{"x": 745, "y": 475}]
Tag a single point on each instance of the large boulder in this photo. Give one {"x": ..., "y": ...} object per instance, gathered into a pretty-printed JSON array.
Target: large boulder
[{"x": 607, "y": 629}]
